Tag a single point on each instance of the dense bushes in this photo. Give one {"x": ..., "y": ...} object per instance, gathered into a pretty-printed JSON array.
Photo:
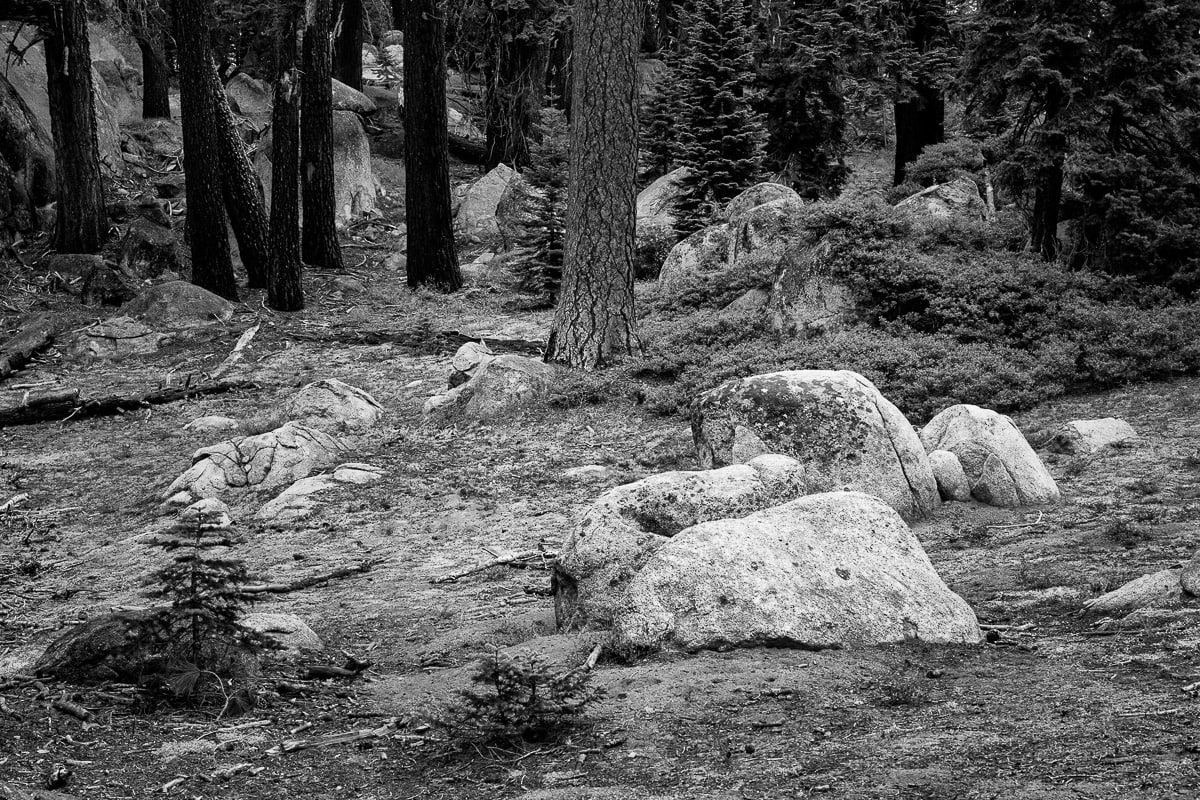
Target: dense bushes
[{"x": 947, "y": 314}]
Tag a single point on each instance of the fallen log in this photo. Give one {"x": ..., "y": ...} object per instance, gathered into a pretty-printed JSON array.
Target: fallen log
[
  {"x": 34, "y": 336},
  {"x": 468, "y": 150},
  {"x": 312, "y": 580},
  {"x": 69, "y": 405},
  {"x": 423, "y": 342}
]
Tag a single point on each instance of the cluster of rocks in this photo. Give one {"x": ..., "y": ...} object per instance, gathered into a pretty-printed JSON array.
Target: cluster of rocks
[
  {"x": 484, "y": 385},
  {"x": 290, "y": 456},
  {"x": 795, "y": 532}
]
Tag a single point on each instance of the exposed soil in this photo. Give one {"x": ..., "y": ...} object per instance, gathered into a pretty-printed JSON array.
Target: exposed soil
[{"x": 1058, "y": 706}]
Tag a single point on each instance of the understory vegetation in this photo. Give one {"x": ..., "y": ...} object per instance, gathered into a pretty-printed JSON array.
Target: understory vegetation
[{"x": 945, "y": 312}]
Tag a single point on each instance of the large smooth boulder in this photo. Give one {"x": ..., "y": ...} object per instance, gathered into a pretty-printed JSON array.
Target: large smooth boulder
[
  {"x": 355, "y": 188},
  {"x": 622, "y": 529},
  {"x": 333, "y": 406},
  {"x": 115, "y": 339},
  {"x": 28, "y": 76},
  {"x": 957, "y": 198},
  {"x": 347, "y": 98},
  {"x": 1002, "y": 468},
  {"x": 1158, "y": 590},
  {"x": 275, "y": 458},
  {"x": 104, "y": 648},
  {"x": 951, "y": 480},
  {"x": 179, "y": 305},
  {"x": 497, "y": 386},
  {"x": 1090, "y": 436},
  {"x": 656, "y": 203},
  {"x": 698, "y": 266},
  {"x": 477, "y": 213},
  {"x": 249, "y": 96},
  {"x": 828, "y": 570},
  {"x": 836, "y": 423}
]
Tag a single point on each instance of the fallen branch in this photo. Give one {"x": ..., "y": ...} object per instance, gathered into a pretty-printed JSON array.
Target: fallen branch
[
  {"x": 313, "y": 580},
  {"x": 296, "y": 745},
  {"x": 34, "y": 336},
  {"x": 523, "y": 559},
  {"x": 593, "y": 657},
  {"x": 235, "y": 355},
  {"x": 63, "y": 406},
  {"x": 73, "y": 709}
]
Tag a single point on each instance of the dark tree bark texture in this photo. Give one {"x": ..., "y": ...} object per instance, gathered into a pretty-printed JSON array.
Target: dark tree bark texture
[
  {"x": 284, "y": 289},
  {"x": 156, "y": 76},
  {"x": 432, "y": 260},
  {"x": 241, "y": 189},
  {"x": 348, "y": 68},
  {"x": 212, "y": 268},
  {"x": 320, "y": 247},
  {"x": 80, "y": 223},
  {"x": 921, "y": 115},
  {"x": 595, "y": 318},
  {"x": 516, "y": 80}
]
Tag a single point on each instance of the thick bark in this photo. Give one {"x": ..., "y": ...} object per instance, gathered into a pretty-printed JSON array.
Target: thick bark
[
  {"x": 921, "y": 115},
  {"x": 284, "y": 290},
  {"x": 212, "y": 268},
  {"x": 516, "y": 81},
  {"x": 431, "y": 257},
  {"x": 320, "y": 239},
  {"x": 241, "y": 189},
  {"x": 1048, "y": 185},
  {"x": 80, "y": 224},
  {"x": 156, "y": 77},
  {"x": 595, "y": 318},
  {"x": 348, "y": 58}
]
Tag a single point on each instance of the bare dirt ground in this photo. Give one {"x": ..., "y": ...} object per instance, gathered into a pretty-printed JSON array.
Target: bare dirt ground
[{"x": 1058, "y": 706}]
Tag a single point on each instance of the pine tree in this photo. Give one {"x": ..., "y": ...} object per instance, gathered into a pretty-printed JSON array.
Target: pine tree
[
  {"x": 660, "y": 117},
  {"x": 721, "y": 136},
  {"x": 199, "y": 631},
  {"x": 539, "y": 253}
]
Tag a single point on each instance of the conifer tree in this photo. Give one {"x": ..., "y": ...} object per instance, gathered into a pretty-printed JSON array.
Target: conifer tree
[
  {"x": 539, "y": 255},
  {"x": 721, "y": 136}
]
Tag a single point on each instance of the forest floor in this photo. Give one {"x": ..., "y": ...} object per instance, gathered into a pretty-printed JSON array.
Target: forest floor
[{"x": 1058, "y": 706}]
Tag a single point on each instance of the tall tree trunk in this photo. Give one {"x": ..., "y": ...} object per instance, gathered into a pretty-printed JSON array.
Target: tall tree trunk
[
  {"x": 81, "y": 219},
  {"x": 431, "y": 257},
  {"x": 320, "y": 243},
  {"x": 241, "y": 189},
  {"x": 516, "y": 81},
  {"x": 156, "y": 76},
  {"x": 212, "y": 268},
  {"x": 920, "y": 122},
  {"x": 284, "y": 290},
  {"x": 595, "y": 318},
  {"x": 1047, "y": 194},
  {"x": 921, "y": 116},
  {"x": 348, "y": 58}
]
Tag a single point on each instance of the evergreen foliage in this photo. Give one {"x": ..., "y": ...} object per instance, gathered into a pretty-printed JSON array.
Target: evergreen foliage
[
  {"x": 720, "y": 134},
  {"x": 198, "y": 634},
  {"x": 520, "y": 699},
  {"x": 538, "y": 259}
]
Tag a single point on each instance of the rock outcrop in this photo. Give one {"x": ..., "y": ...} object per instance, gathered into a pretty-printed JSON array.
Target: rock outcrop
[
  {"x": 1090, "y": 436},
  {"x": 483, "y": 386},
  {"x": 951, "y": 480},
  {"x": 334, "y": 407},
  {"x": 476, "y": 216},
  {"x": 623, "y": 528},
  {"x": 179, "y": 305},
  {"x": 1001, "y": 467},
  {"x": 837, "y": 424},
  {"x": 115, "y": 339},
  {"x": 957, "y": 198},
  {"x": 276, "y": 458},
  {"x": 828, "y": 570}
]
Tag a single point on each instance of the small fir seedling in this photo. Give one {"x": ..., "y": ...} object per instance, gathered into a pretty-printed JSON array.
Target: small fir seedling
[
  {"x": 198, "y": 634},
  {"x": 520, "y": 699}
]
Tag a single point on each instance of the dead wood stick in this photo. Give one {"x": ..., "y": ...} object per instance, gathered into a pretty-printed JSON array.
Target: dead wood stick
[
  {"x": 34, "y": 336},
  {"x": 235, "y": 355},
  {"x": 73, "y": 709},
  {"x": 320, "y": 672},
  {"x": 501, "y": 561},
  {"x": 593, "y": 657},
  {"x": 305, "y": 583},
  {"x": 61, "y": 406},
  {"x": 296, "y": 745}
]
